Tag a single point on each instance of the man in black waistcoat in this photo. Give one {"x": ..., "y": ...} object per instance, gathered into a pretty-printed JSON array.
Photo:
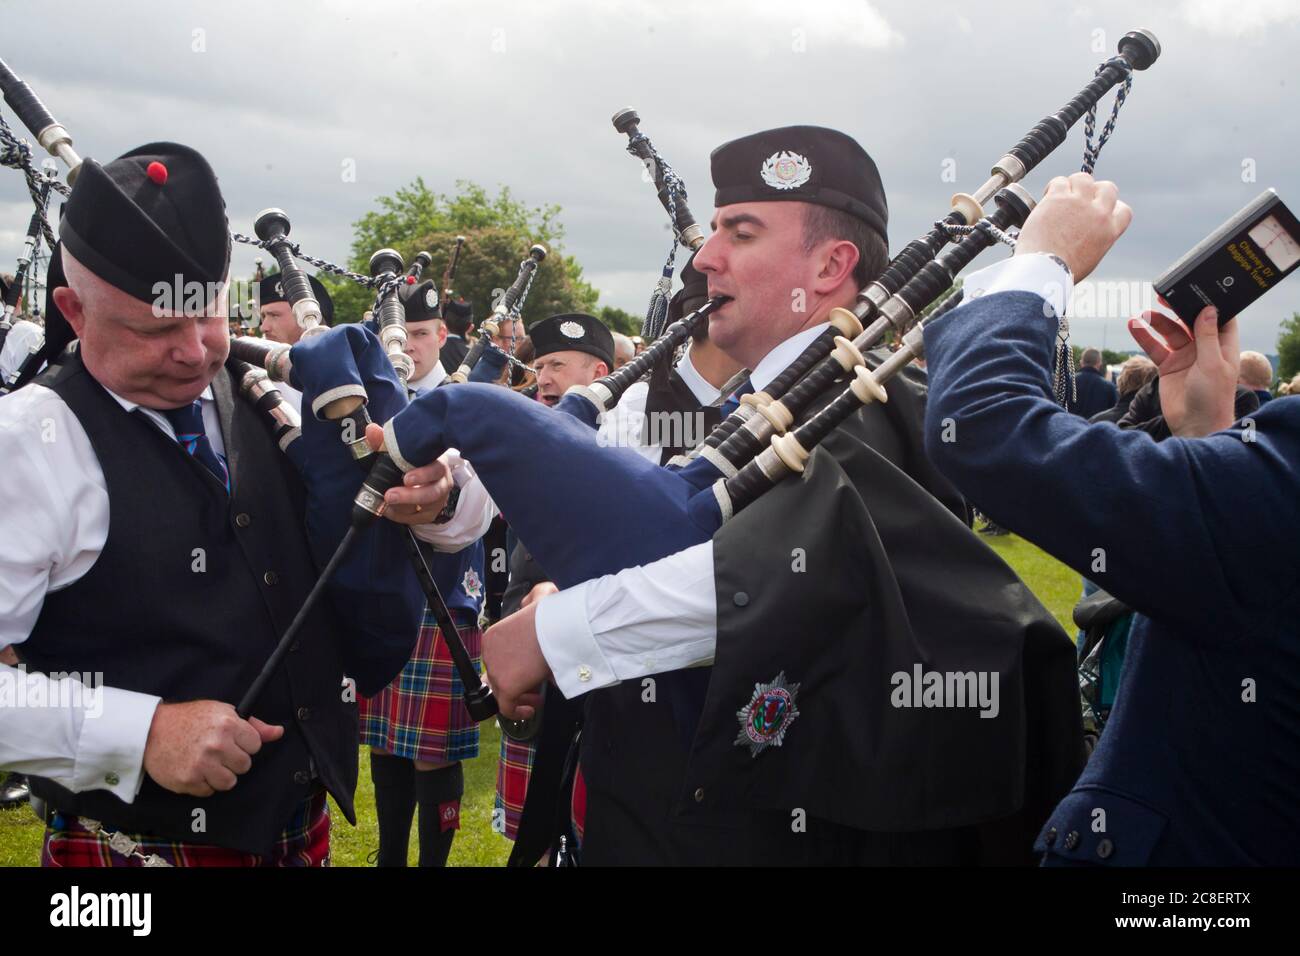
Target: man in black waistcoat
[
  {"x": 460, "y": 322},
  {"x": 164, "y": 615},
  {"x": 827, "y": 609}
]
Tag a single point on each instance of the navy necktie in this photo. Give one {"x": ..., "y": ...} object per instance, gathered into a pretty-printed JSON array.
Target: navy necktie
[
  {"x": 188, "y": 423},
  {"x": 732, "y": 403}
]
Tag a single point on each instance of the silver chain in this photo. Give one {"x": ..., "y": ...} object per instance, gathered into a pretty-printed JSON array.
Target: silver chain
[
  {"x": 17, "y": 154},
  {"x": 324, "y": 265},
  {"x": 121, "y": 844}
]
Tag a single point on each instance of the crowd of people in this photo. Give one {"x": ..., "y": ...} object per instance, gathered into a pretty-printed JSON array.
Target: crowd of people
[{"x": 782, "y": 692}]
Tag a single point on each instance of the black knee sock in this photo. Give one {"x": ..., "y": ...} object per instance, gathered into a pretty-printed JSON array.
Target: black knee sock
[
  {"x": 438, "y": 793},
  {"x": 394, "y": 779}
]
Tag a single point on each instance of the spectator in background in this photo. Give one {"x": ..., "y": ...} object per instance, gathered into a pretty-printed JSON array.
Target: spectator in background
[
  {"x": 1092, "y": 393},
  {"x": 1144, "y": 413},
  {"x": 1289, "y": 388},
  {"x": 1133, "y": 374},
  {"x": 624, "y": 350},
  {"x": 1257, "y": 375}
]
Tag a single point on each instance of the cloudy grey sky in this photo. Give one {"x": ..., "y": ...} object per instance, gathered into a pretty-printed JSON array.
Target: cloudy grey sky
[{"x": 283, "y": 98}]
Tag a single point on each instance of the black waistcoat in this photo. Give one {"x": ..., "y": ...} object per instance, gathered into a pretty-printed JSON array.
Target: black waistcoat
[
  {"x": 186, "y": 601},
  {"x": 670, "y": 394}
]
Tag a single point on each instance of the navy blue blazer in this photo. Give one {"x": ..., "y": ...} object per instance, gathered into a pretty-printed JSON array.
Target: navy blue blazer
[
  {"x": 1200, "y": 763},
  {"x": 1093, "y": 393}
]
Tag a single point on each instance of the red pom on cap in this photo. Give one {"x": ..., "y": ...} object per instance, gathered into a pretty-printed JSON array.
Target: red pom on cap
[
  {"x": 157, "y": 172},
  {"x": 410, "y": 280}
]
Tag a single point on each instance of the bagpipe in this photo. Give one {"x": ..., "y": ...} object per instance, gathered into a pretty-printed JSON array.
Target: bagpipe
[
  {"x": 449, "y": 276},
  {"x": 662, "y": 510},
  {"x": 506, "y": 309},
  {"x": 672, "y": 196},
  {"x": 17, "y": 154},
  {"x": 342, "y": 399},
  {"x": 14, "y": 292}
]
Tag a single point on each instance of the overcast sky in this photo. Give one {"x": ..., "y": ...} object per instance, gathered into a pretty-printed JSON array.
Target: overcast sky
[{"x": 285, "y": 98}]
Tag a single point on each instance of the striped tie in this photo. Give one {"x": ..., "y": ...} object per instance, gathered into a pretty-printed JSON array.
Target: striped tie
[
  {"x": 732, "y": 403},
  {"x": 188, "y": 423}
]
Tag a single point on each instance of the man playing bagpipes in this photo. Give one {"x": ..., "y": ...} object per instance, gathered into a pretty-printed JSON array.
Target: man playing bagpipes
[
  {"x": 1200, "y": 761},
  {"x": 570, "y": 349},
  {"x": 670, "y": 413},
  {"x": 813, "y": 606},
  {"x": 161, "y": 551},
  {"x": 278, "y": 323}
]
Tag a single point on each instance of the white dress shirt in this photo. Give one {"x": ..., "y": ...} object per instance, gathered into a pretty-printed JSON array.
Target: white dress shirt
[
  {"x": 475, "y": 508},
  {"x": 624, "y": 425},
  {"x": 18, "y": 345},
  {"x": 663, "y": 616},
  {"x": 79, "y": 740},
  {"x": 432, "y": 379}
]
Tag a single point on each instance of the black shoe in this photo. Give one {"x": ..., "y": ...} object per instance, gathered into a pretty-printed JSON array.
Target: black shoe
[
  {"x": 993, "y": 530},
  {"x": 15, "y": 792}
]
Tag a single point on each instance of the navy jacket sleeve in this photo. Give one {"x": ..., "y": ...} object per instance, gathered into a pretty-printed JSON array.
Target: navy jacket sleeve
[
  {"x": 373, "y": 592},
  {"x": 1197, "y": 531}
]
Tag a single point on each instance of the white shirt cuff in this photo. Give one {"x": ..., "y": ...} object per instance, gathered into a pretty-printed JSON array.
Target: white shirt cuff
[
  {"x": 643, "y": 620},
  {"x": 1036, "y": 273},
  {"x": 110, "y": 748},
  {"x": 566, "y": 640},
  {"x": 474, "y": 510}
]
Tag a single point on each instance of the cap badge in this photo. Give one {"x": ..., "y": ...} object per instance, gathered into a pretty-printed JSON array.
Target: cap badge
[
  {"x": 573, "y": 330},
  {"x": 430, "y": 299},
  {"x": 768, "y": 715},
  {"x": 279, "y": 290},
  {"x": 786, "y": 170}
]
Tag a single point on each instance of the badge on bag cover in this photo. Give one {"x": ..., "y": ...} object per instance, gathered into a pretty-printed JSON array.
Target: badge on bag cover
[{"x": 768, "y": 715}]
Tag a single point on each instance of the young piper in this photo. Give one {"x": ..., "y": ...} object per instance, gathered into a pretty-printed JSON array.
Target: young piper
[{"x": 417, "y": 728}]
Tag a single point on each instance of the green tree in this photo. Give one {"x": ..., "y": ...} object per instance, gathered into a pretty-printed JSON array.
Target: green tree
[
  {"x": 498, "y": 231},
  {"x": 1288, "y": 347},
  {"x": 1115, "y": 358},
  {"x": 620, "y": 320}
]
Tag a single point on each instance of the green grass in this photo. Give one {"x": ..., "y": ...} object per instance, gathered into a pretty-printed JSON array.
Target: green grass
[
  {"x": 476, "y": 844},
  {"x": 1058, "y": 587}
]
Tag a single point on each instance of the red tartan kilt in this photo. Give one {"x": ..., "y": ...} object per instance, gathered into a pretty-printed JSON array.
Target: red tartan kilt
[
  {"x": 421, "y": 715},
  {"x": 304, "y": 842}
]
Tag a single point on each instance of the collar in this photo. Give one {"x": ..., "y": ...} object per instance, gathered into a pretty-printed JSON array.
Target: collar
[
  {"x": 157, "y": 417},
  {"x": 775, "y": 361},
  {"x": 131, "y": 406},
  {"x": 704, "y": 393},
  {"x": 432, "y": 379}
]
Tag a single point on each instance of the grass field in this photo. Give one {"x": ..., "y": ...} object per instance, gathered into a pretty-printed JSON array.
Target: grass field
[{"x": 476, "y": 844}]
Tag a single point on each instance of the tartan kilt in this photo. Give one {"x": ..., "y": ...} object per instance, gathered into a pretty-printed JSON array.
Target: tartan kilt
[
  {"x": 514, "y": 769},
  {"x": 305, "y": 841},
  {"x": 421, "y": 715}
]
